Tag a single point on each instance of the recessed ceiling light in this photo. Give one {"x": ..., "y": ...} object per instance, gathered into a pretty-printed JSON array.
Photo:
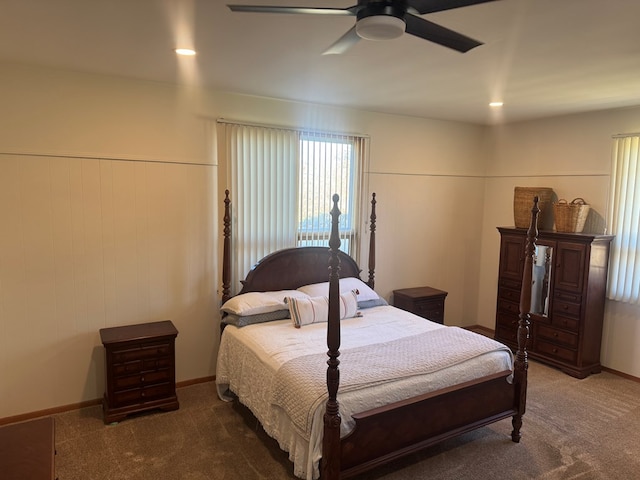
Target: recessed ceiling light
[
  {"x": 496, "y": 104},
  {"x": 185, "y": 51}
]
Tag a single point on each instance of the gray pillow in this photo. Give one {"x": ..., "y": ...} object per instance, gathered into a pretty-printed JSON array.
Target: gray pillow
[{"x": 243, "y": 320}]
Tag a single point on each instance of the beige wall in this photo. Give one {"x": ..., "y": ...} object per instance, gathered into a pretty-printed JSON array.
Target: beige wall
[
  {"x": 109, "y": 206},
  {"x": 572, "y": 154},
  {"x": 108, "y": 209}
]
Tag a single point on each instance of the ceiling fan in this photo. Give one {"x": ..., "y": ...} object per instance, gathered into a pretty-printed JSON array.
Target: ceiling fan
[{"x": 384, "y": 20}]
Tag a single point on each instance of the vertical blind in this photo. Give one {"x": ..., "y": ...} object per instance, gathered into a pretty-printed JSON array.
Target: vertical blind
[
  {"x": 281, "y": 181},
  {"x": 624, "y": 220}
]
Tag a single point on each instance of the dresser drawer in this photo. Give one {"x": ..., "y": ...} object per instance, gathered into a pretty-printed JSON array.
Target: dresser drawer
[
  {"x": 509, "y": 294},
  {"x": 561, "y": 307},
  {"x": 506, "y": 320},
  {"x": 141, "y": 352},
  {"x": 557, "y": 336},
  {"x": 509, "y": 307},
  {"x": 507, "y": 335},
  {"x": 556, "y": 351},
  {"x": 509, "y": 283},
  {"x": 567, "y": 323},
  {"x": 568, "y": 296}
]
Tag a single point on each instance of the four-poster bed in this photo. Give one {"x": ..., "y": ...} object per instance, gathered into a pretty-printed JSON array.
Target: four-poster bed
[{"x": 354, "y": 425}]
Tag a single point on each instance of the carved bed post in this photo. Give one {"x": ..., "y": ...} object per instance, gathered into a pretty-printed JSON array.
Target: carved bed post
[
  {"x": 226, "y": 255},
  {"x": 330, "y": 466},
  {"x": 372, "y": 243},
  {"x": 521, "y": 364}
]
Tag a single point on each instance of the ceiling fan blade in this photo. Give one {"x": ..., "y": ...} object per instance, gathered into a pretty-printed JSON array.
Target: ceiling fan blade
[
  {"x": 344, "y": 43},
  {"x": 431, "y": 6},
  {"x": 435, "y": 33},
  {"x": 299, "y": 10}
]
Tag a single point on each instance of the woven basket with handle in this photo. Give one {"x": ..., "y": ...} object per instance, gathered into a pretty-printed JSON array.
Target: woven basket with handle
[{"x": 570, "y": 217}]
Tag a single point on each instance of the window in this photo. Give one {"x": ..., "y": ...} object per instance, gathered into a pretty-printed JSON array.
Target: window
[
  {"x": 624, "y": 220},
  {"x": 327, "y": 166},
  {"x": 281, "y": 182}
]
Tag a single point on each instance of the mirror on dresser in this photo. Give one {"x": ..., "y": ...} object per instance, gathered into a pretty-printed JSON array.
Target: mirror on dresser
[{"x": 540, "y": 283}]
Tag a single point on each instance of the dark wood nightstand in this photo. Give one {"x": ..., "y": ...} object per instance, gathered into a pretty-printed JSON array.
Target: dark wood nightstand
[
  {"x": 27, "y": 450},
  {"x": 140, "y": 369},
  {"x": 427, "y": 302}
]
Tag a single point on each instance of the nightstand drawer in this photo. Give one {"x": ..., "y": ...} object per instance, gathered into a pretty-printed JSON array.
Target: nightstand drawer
[
  {"x": 429, "y": 308},
  {"x": 141, "y": 365},
  {"x": 140, "y": 395},
  {"x": 426, "y": 302},
  {"x": 148, "y": 378},
  {"x": 140, "y": 352}
]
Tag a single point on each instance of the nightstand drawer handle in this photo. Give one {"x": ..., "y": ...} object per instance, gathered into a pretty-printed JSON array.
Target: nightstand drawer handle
[{"x": 142, "y": 378}]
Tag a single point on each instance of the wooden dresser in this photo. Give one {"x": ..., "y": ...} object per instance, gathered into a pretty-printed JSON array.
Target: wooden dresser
[
  {"x": 568, "y": 297},
  {"x": 140, "y": 369},
  {"x": 27, "y": 450},
  {"x": 426, "y": 302}
]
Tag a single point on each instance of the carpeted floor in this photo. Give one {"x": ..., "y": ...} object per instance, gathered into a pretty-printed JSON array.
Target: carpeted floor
[{"x": 574, "y": 429}]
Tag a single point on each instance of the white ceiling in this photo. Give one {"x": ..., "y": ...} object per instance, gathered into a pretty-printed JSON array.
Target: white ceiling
[{"x": 541, "y": 57}]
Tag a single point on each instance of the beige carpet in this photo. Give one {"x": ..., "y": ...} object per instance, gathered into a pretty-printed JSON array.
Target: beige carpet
[{"x": 573, "y": 429}]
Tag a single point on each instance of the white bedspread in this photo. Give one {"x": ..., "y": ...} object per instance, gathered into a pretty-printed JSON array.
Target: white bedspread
[{"x": 250, "y": 357}]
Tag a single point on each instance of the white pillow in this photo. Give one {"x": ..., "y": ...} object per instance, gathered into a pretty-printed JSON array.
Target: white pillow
[
  {"x": 346, "y": 285},
  {"x": 304, "y": 311},
  {"x": 253, "y": 303}
]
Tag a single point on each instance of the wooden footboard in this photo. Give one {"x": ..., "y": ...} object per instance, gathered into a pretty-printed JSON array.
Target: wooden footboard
[
  {"x": 398, "y": 429},
  {"x": 390, "y": 432}
]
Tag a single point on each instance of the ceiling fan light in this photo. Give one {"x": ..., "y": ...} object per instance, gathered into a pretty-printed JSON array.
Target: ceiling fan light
[{"x": 380, "y": 27}]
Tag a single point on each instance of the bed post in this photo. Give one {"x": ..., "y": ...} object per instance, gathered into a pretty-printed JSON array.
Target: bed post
[
  {"x": 521, "y": 363},
  {"x": 330, "y": 466},
  {"x": 372, "y": 243},
  {"x": 226, "y": 255}
]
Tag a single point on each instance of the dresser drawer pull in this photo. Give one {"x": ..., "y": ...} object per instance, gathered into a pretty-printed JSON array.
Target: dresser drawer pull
[{"x": 142, "y": 378}]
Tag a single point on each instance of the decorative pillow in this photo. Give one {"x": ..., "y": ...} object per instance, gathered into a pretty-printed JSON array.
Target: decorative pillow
[
  {"x": 380, "y": 302},
  {"x": 243, "y": 320},
  {"x": 305, "y": 311},
  {"x": 346, "y": 285},
  {"x": 253, "y": 303}
]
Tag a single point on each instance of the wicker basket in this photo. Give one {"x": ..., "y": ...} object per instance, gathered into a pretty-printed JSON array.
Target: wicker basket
[
  {"x": 570, "y": 217},
  {"x": 523, "y": 202}
]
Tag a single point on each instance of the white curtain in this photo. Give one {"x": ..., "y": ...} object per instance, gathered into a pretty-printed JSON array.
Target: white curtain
[
  {"x": 262, "y": 179},
  {"x": 624, "y": 220},
  {"x": 281, "y": 182}
]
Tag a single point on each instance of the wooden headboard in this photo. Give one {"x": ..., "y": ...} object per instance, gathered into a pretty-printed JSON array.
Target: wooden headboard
[{"x": 291, "y": 268}]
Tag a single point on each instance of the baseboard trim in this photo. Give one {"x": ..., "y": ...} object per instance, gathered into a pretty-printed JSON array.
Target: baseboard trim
[
  {"x": 89, "y": 403},
  {"x": 621, "y": 374},
  {"x": 484, "y": 330}
]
